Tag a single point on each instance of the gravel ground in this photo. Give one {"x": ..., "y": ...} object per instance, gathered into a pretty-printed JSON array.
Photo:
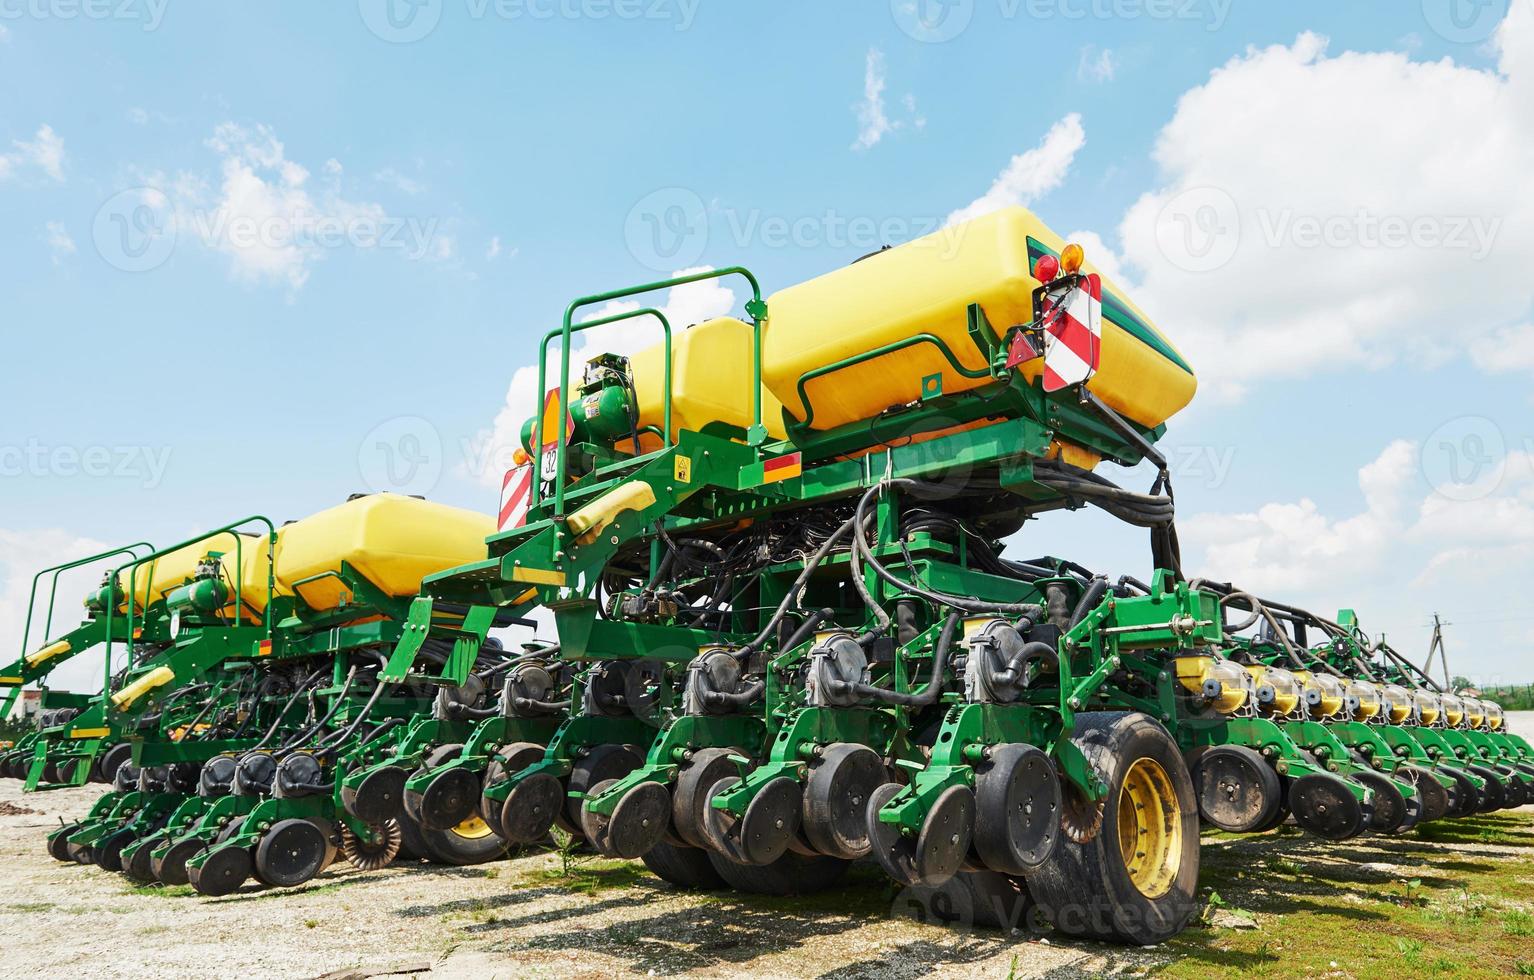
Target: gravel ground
[
  {"x": 527, "y": 917},
  {"x": 519, "y": 918}
]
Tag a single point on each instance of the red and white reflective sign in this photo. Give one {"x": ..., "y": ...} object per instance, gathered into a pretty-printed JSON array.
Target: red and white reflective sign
[
  {"x": 1073, "y": 337},
  {"x": 516, "y": 497}
]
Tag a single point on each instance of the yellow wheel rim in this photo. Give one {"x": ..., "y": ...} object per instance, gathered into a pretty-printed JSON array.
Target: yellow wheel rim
[
  {"x": 473, "y": 829},
  {"x": 1150, "y": 828}
]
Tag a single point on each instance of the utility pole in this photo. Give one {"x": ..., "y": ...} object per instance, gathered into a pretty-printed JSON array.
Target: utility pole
[{"x": 1436, "y": 647}]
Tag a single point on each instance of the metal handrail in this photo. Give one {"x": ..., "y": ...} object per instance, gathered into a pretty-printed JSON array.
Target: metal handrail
[
  {"x": 239, "y": 584},
  {"x": 53, "y": 586},
  {"x": 755, "y": 308},
  {"x": 890, "y": 348}
]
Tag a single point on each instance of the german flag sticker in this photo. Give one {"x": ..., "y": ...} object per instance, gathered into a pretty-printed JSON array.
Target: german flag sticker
[{"x": 782, "y": 468}]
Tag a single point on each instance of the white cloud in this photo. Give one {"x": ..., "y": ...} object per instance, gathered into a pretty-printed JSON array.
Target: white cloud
[
  {"x": 138, "y": 116},
  {"x": 493, "y": 249},
  {"x": 489, "y": 452},
  {"x": 874, "y": 122},
  {"x": 5, "y": 34},
  {"x": 45, "y": 151},
  {"x": 22, "y": 555},
  {"x": 1031, "y": 174},
  {"x": 1096, "y": 65},
  {"x": 1505, "y": 350},
  {"x": 59, "y": 242},
  {"x": 398, "y": 181},
  {"x": 1404, "y": 530},
  {"x": 1285, "y": 240},
  {"x": 270, "y": 221}
]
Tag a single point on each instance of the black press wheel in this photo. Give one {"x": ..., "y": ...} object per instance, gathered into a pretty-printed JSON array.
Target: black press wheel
[
  {"x": 1237, "y": 790},
  {"x": 171, "y": 868},
  {"x": 225, "y": 869},
  {"x": 836, "y": 793},
  {"x": 292, "y": 852},
  {"x": 791, "y": 874},
  {"x": 1323, "y": 805},
  {"x": 58, "y": 843},
  {"x": 684, "y": 867},
  {"x": 1133, "y": 881},
  {"x": 1434, "y": 796},
  {"x": 109, "y": 849},
  {"x": 935, "y": 854}
]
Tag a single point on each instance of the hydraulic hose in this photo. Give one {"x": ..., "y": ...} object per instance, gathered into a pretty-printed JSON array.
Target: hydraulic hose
[{"x": 934, "y": 687}]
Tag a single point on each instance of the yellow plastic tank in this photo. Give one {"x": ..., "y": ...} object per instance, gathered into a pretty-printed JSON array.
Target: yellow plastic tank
[
  {"x": 1397, "y": 703},
  {"x": 1475, "y": 712},
  {"x": 1234, "y": 684},
  {"x": 1366, "y": 699},
  {"x": 926, "y": 286},
  {"x": 1428, "y": 708},
  {"x": 1285, "y": 689},
  {"x": 394, "y": 541},
  {"x": 1328, "y": 696},
  {"x": 710, "y": 381},
  {"x": 1493, "y": 716},
  {"x": 1453, "y": 710}
]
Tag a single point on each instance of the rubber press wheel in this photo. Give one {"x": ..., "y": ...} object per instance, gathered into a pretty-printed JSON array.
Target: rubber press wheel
[
  {"x": 1017, "y": 808},
  {"x": 684, "y": 867},
  {"x": 1434, "y": 797},
  {"x": 439, "y": 756},
  {"x": 791, "y": 874},
  {"x": 1323, "y": 805},
  {"x": 171, "y": 868},
  {"x": 1134, "y": 880},
  {"x": 1392, "y": 811},
  {"x": 224, "y": 870},
  {"x": 109, "y": 850},
  {"x": 58, "y": 843},
  {"x": 1237, "y": 790},
  {"x": 836, "y": 796},
  {"x": 510, "y": 759},
  {"x": 292, "y": 852}
]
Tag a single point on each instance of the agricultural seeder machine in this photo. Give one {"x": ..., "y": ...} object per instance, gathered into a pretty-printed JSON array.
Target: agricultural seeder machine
[{"x": 788, "y": 638}]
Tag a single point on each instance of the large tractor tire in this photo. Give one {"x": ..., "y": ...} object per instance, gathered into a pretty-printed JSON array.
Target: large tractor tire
[
  {"x": 471, "y": 842},
  {"x": 1134, "y": 879}
]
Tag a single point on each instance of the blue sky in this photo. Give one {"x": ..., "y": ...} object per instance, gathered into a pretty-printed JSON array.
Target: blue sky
[{"x": 434, "y": 188}]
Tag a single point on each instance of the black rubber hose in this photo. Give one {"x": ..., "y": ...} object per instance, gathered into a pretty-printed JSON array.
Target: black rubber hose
[
  {"x": 966, "y": 603},
  {"x": 754, "y": 690},
  {"x": 1088, "y": 601},
  {"x": 930, "y": 691},
  {"x": 760, "y": 640}
]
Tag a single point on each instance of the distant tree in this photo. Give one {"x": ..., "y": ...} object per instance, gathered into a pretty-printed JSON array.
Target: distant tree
[{"x": 1458, "y": 683}]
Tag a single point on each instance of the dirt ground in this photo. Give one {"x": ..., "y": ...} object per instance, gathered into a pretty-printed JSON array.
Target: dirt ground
[{"x": 535, "y": 917}]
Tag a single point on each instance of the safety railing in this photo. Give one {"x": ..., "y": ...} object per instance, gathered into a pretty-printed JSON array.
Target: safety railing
[
  {"x": 232, "y": 530},
  {"x": 53, "y": 587},
  {"x": 755, "y": 308}
]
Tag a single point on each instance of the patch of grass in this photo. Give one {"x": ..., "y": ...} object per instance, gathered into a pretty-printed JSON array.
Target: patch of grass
[
  {"x": 491, "y": 873},
  {"x": 311, "y": 923},
  {"x": 32, "y": 907},
  {"x": 1337, "y": 909},
  {"x": 163, "y": 891}
]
